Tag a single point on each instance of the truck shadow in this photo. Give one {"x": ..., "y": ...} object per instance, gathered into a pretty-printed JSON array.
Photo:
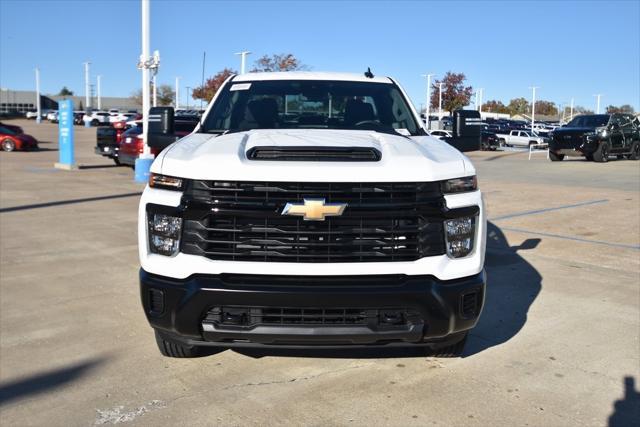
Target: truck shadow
[{"x": 512, "y": 286}]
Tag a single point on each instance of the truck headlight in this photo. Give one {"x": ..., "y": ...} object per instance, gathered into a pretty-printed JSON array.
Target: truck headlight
[
  {"x": 460, "y": 235},
  {"x": 601, "y": 131},
  {"x": 165, "y": 182},
  {"x": 164, "y": 233},
  {"x": 460, "y": 185}
]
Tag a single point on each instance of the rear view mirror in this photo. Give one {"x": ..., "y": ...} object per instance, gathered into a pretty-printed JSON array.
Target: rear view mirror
[{"x": 161, "y": 127}]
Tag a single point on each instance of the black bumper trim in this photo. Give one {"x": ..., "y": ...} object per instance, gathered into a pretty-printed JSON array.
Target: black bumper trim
[{"x": 187, "y": 302}]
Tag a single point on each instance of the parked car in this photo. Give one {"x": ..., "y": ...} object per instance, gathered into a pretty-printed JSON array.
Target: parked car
[
  {"x": 97, "y": 118},
  {"x": 31, "y": 115},
  {"x": 596, "y": 137},
  {"x": 131, "y": 144},
  {"x": 77, "y": 117},
  {"x": 16, "y": 129},
  {"x": 489, "y": 141},
  {"x": 440, "y": 134},
  {"x": 108, "y": 140},
  {"x": 343, "y": 230},
  {"x": 121, "y": 117},
  {"x": 51, "y": 115},
  {"x": 11, "y": 140},
  {"x": 520, "y": 138}
]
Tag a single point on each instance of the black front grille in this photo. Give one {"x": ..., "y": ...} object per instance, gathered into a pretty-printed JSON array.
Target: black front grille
[
  {"x": 315, "y": 154},
  {"x": 568, "y": 140},
  {"x": 285, "y": 316},
  {"x": 243, "y": 221}
]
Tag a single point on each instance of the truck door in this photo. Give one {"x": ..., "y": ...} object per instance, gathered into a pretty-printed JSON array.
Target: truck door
[{"x": 616, "y": 138}]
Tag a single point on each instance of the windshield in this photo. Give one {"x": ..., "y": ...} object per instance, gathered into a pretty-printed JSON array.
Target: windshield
[
  {"x": 6, "y": 131},
  {"x": 593, "y": 121},
  {"x": 311, "y": 104}
]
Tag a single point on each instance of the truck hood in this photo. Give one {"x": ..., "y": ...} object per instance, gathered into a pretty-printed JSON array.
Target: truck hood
[
  {"x": 574, "y": 130},
  {"x": 223, "y": 157}
]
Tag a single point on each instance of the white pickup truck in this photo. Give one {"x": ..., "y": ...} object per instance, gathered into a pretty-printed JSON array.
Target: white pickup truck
[
  {"x": 520, "y": 138},
  {"x": 310, "y": 209}
]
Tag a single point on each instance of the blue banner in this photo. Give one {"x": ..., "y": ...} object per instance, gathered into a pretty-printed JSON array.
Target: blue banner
[{"x": 65, "y": 132}]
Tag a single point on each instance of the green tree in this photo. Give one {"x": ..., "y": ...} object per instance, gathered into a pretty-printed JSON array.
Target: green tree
[
  {"x": 546, "y": 108},
  {"x": 455, "y": 94},
  {"x": 519, "y": 106},
  {"x": 65, "y": 92},
  {"x": 165, "y": 95}
]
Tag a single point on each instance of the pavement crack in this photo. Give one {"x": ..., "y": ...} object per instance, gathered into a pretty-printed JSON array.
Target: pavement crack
[{"x": 295, "y": 379}]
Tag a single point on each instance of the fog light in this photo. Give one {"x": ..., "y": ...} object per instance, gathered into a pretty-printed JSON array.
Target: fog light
[
  {"x": 164, "y": 245},
  {"x": 459, "y": 235}
]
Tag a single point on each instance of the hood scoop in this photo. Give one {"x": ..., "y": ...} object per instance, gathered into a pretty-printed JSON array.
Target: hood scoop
[{"x": 314, "y": 154}]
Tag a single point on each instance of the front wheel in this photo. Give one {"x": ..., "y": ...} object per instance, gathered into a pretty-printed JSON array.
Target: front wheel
[
  {"x": 555, "y": 157},
  {"x": 601, "y": 155},
  {"x": 635, "y": 152},
  {"x": 95, "y": 122},
  {"x": 8, "y": 145},
  {"x": 173, "y": 349}
]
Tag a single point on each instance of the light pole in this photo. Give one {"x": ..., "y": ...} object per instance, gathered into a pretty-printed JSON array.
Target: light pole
[
  {"x": 533, "y": 106},
  {"x": 155, "y": 92},
  {"x": 177, "y": 92},
  {"x": 99, "y": 80},
  {"x": 38, "y": 118},
  {"x": 87, "y": 96},
  {"x": 187, "y": 96},
  {"x": 243, "y": 56},
  {"x": 481, "y": 90},
  {"x": 598, "y": 103},
  {"x": 428, "y": 109},
  {"x": 571, "y": 113},
  {"x": 440, "y": 102}
]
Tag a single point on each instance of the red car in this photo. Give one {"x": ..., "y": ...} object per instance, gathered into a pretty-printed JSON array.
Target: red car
[
  {"x": 131, "y": 143},
  {"x": 16, "y": 129},
  {"x": 10, "y": 140}
]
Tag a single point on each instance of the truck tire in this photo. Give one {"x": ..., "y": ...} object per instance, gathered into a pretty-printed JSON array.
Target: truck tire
[
  {"x": 173, "y": 349},
  {"x": 95, "y": 122},
  {"x": 454, "y": 350},
  {"x": 8, "y": 145},
  {"x": 635, "y": 151},
  {"x": 555, "y": 157},
  {"x": 601, "y": 155},
  {"x": 589, "y": 157},
  {"x": 502, "y": 142}
]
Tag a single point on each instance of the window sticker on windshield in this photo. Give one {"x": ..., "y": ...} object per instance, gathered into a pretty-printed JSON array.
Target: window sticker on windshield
[
  {"x": 240, "y": 86},
  {"x": 403, "y": 131}
]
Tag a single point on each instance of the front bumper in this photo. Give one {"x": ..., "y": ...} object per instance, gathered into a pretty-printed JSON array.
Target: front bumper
[{"x": 438, "y": 310}]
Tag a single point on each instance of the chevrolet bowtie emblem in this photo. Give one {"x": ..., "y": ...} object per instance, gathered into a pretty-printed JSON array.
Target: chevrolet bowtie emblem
[{"x": 314, "y": 209}]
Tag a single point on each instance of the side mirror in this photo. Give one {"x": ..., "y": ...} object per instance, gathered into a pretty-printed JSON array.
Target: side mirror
[{"x": 161, "y": 127}]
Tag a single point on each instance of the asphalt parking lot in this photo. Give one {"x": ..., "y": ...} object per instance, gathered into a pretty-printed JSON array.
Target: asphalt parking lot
[{"x": 558, "y": 343}]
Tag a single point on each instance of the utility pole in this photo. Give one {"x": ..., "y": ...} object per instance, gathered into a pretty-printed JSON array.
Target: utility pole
[
  {"x": 533, "y": 106},
  {"x": 440, "y": 101},
  {"x": 243, "y": 56},
  {"x": 481, "y": 90},
  {"x": 187, "y": 96},
  {"x": 38, "y": 118},
  {"x": 87, "y": 98},
  {"x": 155, "y": 91},
  {"x": 177, "y": 92},
  {"x": 428, "y": 109},
  {"x": 99, "y": 80},
  {"x": 598, "y": 103}
]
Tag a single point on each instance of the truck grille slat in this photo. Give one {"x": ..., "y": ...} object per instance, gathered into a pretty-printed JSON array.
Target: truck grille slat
[{"x": 242, "y": 221}]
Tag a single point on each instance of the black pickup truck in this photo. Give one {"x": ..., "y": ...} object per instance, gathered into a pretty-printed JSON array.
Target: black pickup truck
[{"x": 597, "y": 137}]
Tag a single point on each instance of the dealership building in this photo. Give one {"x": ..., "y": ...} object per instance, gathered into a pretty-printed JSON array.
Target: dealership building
[{"x": 18, "y": 102}]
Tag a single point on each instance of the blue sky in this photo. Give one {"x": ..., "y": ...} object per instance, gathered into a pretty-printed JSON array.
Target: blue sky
[{"x": 568, "y": 49}]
